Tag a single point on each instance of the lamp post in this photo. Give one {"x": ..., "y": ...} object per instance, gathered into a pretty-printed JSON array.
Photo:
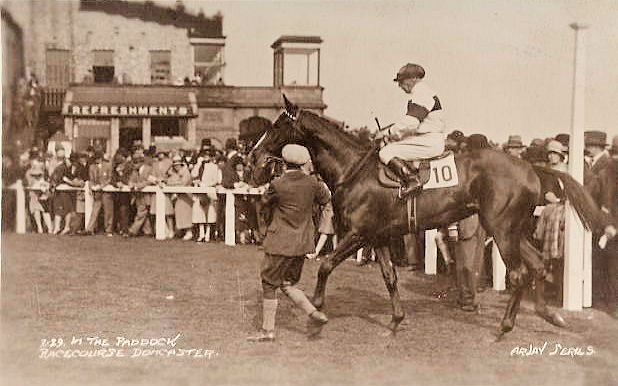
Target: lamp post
[{"x": 575, "y": 237}]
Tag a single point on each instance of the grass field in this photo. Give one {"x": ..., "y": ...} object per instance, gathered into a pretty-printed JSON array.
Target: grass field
[{"x": 60, "y": 287}]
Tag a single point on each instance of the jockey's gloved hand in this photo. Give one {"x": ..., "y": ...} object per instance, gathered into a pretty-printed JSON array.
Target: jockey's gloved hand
[{"x": 384, "y": 132}]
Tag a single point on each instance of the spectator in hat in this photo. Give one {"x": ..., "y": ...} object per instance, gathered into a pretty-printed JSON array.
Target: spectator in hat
[
  {"x": 121, "y": 175},
  {"x": 234, "y": 177},
  {"x": 556, "y": 156},
  {"x": 79, "y": 169},
  {"x": 599, "y": 166},
  {"x": 63, "y": 202},
  {"x": 39, "y": 197},
  {"x": 56, "y": 159},
  {"x": 536, "y": 155},
  {"x": 594, "y": 145},
  {"x": 142, "y": 175},
  {"x": 564, "y": 141},
  {"x": 179, "y": 175},
  {"x": 289, "y": 238},
  {"x": 206, "y": 144},
  {"x": 100, "y": 177},
  {"x": 537, "y": 142},
  {"x": 207, "y": 174},
  {"x": 161, "y": 167},
  {"x": 231, "y": 148},
  {"x": 514, "y": 146}
]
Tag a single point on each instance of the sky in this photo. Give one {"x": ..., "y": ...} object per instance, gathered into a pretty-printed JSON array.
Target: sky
[{"x": 499, "y": 67}]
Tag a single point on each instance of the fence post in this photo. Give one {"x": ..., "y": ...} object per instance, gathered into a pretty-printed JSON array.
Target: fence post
[
  {"x": 498, "y": 267},
  {"x": 20, "y": 213},
  {"x": 230, "y": 219},
  {"x": 88, "y": 202},
  {"x": 160, "y": 224},
  {"x": 431, "y": 252},
  {"x": 587, "y": 300}
]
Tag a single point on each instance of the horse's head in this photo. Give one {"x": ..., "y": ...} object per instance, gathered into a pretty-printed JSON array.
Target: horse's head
[{"x": 265, "y": 157}]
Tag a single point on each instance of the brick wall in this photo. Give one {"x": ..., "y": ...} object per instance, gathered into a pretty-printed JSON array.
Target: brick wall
[{"x": 61, "y": 25}]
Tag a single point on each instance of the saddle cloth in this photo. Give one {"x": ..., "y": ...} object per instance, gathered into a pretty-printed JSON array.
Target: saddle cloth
[{"x": 436, "y": 172}]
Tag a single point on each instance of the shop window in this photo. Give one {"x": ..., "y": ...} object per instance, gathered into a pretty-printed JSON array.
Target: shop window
[
  {"x": 165, "y": 127},
  {"x": 160, "y": 67},
  {"x": 58, "y": 68},
  {"x": 103, "y": 66},
  {"x": 92, "y": 132},
  {"x": 208, "y": 61}
]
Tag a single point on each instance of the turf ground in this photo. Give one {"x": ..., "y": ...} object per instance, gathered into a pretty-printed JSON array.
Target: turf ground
[{"x": 60, "y": 287}]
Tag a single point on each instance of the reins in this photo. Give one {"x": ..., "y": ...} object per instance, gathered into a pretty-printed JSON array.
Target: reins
[{"x": 356, "y": 168}]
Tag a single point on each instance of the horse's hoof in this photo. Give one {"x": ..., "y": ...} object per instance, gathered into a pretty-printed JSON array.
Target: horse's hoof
[
  {"x": 499, "y": 335},
  {"x": 506, "y": 326},
  {"x": 318, "y": 304}
]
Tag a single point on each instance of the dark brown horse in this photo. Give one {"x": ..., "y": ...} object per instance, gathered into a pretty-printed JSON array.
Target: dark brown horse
[{"x": 501, "y": 189}]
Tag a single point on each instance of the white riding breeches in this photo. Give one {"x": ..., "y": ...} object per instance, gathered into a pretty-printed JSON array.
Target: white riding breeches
[{"x": 422, "y": 145}]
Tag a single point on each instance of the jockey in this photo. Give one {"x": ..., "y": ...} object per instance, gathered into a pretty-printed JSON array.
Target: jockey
[{"x": 419, "y": 134}]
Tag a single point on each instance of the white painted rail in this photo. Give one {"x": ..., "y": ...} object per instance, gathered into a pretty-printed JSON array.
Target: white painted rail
[{"x": 159, "y": 193}]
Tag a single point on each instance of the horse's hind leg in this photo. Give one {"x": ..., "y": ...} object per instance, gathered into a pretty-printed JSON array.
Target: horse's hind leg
[
  {"x": 390, "y": 279},
  {"x": 533, "y": 259},
  {"x": 348, "y": 245},
  {"x": 507, "y": 240}
]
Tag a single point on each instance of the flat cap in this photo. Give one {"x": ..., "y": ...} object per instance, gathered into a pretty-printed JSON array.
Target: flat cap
[{"x": 295, "y": 154}]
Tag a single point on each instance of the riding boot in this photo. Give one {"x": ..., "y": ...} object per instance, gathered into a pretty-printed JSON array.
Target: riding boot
[{"x": 409, "y": 178}]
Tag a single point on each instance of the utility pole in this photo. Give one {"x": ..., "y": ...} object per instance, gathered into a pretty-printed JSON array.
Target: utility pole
[{"x": 575, "y": 238}]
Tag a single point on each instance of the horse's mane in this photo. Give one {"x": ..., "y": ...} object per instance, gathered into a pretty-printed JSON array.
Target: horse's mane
[{"x": 335, "y": 126}]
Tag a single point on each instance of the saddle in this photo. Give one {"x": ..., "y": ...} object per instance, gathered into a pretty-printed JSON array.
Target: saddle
[{"x": 389, "y": 179}]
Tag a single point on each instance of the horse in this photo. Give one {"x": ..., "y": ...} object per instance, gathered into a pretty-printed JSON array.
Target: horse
[{"x": 503, "y": 190}]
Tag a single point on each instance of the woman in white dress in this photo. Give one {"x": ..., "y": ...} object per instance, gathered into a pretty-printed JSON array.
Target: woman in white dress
[{"x": 206, "y": 173}]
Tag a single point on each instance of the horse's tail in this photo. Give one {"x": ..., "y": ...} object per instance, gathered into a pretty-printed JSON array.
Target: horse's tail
[{"x": 588, "y": 211}]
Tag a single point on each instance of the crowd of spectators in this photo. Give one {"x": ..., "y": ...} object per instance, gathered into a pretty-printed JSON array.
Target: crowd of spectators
[{"x": 130, "y": 212}]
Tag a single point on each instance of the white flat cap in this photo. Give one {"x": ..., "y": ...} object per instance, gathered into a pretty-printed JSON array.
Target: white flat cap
[{"x": 295, "y": 154}]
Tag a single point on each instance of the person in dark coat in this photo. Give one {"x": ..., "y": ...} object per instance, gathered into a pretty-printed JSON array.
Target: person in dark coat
[
  {"x": 596, "y": 181},
  {"x": 289, "y": 237},
  {"x": 63, "y": 201}
]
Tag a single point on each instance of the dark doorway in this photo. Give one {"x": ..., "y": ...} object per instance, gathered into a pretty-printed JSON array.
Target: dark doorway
[
  {"x": 130, "y": 130},
  {"x": 164, "y": 127}
]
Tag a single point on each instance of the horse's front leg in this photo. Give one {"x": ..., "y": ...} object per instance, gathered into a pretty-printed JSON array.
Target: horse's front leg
[
  {"x": 390, "y": 279},
  {"x": 348, "y": 245}
]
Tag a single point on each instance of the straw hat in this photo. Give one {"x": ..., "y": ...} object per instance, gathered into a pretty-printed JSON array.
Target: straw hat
[
  {"x": 177, "y": 160},
  {"x": 554, "y": 146}
]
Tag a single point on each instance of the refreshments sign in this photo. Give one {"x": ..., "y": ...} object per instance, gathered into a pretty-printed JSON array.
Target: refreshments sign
[{"x": 127, "y": 111}]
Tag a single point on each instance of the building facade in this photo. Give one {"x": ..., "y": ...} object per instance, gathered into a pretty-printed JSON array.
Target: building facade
[{"x": 116, "y": 71}]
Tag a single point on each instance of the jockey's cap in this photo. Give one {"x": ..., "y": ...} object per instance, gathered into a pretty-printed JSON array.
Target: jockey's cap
[
  {"x": 409, "y": 71},
  {"x": 295, "y": 154},
  {"x": 457, "y": 136}
]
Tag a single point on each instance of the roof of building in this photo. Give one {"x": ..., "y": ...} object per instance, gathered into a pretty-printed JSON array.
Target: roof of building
[
  {"x": 198, "y": 25},
  {"x": 131, "y": 95},
  {"x": 259, "y": 97},
  {"x": 296, "y": 39}
]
